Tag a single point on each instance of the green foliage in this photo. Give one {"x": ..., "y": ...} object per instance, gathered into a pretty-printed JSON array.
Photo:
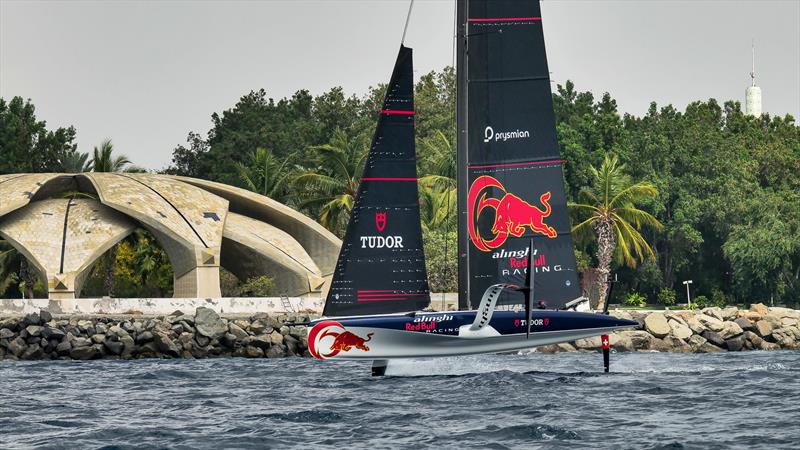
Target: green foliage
[
  {"x": 103, "y": 160},
  {"x": 666, "y": 297},
  {"x": 260, "y": 286},
  {"x": 25, "y": 143},
  {"x": 440, "y": 258},
  {"x": 700, "y": 302},
  {"x": 718, "y": 298},
  {"x": 636, "y": 300},
  {"x": 265, "y": 174}
]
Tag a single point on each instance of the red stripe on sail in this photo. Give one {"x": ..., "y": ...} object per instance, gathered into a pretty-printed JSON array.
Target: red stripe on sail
[
  {"x": 532, "y": 163},
  {"x": 360, "y": 295},
  {"x": 402, "y": 112},
  {"x": 380, "y": 299},
  {"x": 388, "y": 179},
  {"x": 504, "y": 19}
]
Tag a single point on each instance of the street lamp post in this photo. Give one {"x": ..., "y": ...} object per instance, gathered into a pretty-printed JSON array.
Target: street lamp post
[{"x": 688, "y": 298}]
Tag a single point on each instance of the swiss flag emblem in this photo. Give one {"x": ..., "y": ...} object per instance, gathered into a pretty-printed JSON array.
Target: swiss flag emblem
[{"x": 380, "y": 221}]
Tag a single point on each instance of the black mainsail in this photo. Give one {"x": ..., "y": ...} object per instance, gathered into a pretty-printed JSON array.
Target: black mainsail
[
  {"x": 511, "y": 160},
  {"x": 381, "y": 266}
]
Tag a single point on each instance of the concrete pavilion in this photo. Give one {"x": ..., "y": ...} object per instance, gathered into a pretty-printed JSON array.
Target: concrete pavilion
[{"x": 201, "y": 225}]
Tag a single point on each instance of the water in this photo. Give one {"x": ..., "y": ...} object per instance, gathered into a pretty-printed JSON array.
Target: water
[{"x": 651, "y": 400}]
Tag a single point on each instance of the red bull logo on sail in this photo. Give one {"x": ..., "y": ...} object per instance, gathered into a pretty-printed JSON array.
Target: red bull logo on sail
[{"x": 512, "y": 214}]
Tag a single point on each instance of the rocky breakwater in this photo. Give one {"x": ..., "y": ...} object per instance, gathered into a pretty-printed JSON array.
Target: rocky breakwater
[
  {"x": 702, "y": 331},
  {"x": 204, "y": 334}
]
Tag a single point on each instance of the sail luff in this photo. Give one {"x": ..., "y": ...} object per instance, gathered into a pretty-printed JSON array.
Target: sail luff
[{"x": 462, "y": 155}]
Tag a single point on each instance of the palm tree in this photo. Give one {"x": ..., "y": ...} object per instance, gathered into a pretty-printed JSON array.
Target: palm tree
[
  {"x": 439, "y": 162},
  {"x": 608, "y": 213},
  {"x": 76, "y": 162},
  {"x": 265, "y": 174},
  {"x": 437, "y": 207},
  {"x": 332, "y": 185},
  {"x": 104, "y": 161}
]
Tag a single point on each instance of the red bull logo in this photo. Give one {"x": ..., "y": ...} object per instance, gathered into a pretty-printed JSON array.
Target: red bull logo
[
  {"x": 328, "y": 338},
  {"x": 512, "y": 214}
]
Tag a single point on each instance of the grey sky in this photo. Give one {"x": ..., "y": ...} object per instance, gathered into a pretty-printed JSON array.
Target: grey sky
[{"x": 146, "y": 73}]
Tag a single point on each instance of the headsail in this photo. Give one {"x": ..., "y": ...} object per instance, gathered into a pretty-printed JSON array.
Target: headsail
[
  {"x": 381, "y": 266},
  {"x": 514, "y": 188}
]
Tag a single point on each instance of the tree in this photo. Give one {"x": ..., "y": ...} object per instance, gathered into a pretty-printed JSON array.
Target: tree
[
  {"x": 608, "y": 213},
  {"x": 105, "y": 161},
  {"x": 330, "y": 188},
  {"x": 8, "y": 257},
  {"x": 265, "y": 174},
  {"x": 25, "y": 143},
  {"x": 76, "y": 162}
]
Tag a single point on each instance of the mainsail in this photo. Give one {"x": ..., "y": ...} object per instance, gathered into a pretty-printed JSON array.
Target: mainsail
[
  {"x": 511, "y": 163},
  {"x": 381, "y": 266}
]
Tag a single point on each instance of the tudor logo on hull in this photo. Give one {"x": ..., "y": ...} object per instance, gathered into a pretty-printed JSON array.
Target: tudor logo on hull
[{"x": 513, "y": 215}]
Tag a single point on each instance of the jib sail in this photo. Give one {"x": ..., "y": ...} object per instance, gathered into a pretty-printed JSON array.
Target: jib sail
[
  {"x": 381, "y": 266},
  {"x": 514, "y": 189}
]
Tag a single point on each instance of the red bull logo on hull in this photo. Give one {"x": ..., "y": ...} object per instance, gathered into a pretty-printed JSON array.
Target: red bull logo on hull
[
  {"x": 512, "y": 214},
  {"x": 328, "y": 338}
]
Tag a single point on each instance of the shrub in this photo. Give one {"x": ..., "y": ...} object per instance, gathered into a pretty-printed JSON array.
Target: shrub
[
  {"x": 666, "y": 297},
  {"x": 635, "y": 299},
  {"x": 718, "y": 298},
  {"x": 257, "y": 287},
  {"x": 442, "y": 265},
  {"x": 701, "y": 301}
]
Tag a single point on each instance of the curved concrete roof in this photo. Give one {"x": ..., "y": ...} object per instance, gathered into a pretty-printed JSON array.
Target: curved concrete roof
[
  {"x": 63, "y": 238},
  {"x": 189, "y": 217}
]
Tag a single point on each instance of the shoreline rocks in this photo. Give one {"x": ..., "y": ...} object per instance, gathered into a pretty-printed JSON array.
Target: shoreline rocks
[
  {"x": 709, "y": 330},
  {"x": 41, "y": 336}
]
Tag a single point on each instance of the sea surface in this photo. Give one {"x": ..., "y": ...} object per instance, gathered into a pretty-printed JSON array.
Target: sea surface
[{"x": 650, "y": 400}]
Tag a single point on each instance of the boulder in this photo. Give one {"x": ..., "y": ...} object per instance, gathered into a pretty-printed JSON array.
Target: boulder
[
  {"x": 713, "y": 311},
  {"x": 208, "y": 323},
  {"x": 769, "y": 346},
  {"x": 735, "y": 344},
  {"x": 32, "y": 352},
  {"x": 744, "y": 324},
  {"x": 710, "y": 322},
  {"x": 679, "y": 330},
  {"x": 262, "y": 341},
  {"x": 709, "y": 348},
  {"x": 228, "y": 340},
  {"x": 656, "y": 324},
  {"x": 114, "y": 347},
  {"x": 237, "y": 331},
  {"x": 201, "y": 340},
  {"x": 730, "y": 313},
  {"x": 275, "y": 352},
  {"x": 64, "y": 348},
  {"x": 83, "y": 353},
  {"x": 31, "y": 319},
  {"x": 764, "y": 328},
  {"x": 780, "y": 313},
  {"x": 565, "y": 347},
  {"x": 676, "y": 345},
  {"x": 621, "y": 314},
  {"x": 753, "y": 338},
  {"x": 17, "y": 346},
  {"x": 760, "y": 308},
  {"x": 144, "y": 337},
  {"x": 750, "y": 315},
  {"x": 81, "y": 342},
  {"x": 45, "y": 315},
  {"x": 696, "y": 341},
  {"x": 165, "y": 345},
  {"x": 695, "y": 325},
  {"x": 254, "y": 352},
  {"x": 5, "y": 333},
  {"x": 714, "y": 338},
  {"x": 621, "y": 341},
  {"x": 640, "y": 340},
  {"x": 129, "y": 346},
  {"x": 730, "y": 329},
  {"x": 276, "y": 338}
]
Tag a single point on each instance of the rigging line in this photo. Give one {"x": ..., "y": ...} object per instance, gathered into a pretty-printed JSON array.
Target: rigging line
[
  {"x": 454, "y": 127},
  {"x": 408, "y": 19}
]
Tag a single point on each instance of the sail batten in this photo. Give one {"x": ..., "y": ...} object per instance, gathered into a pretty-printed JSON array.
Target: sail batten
[
  {"x": 381, "y": 266},
  {"x": 514, "y": 188}
]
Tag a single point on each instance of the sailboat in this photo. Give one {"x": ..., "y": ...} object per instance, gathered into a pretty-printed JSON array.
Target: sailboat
[{"x": 517, "y": 275}]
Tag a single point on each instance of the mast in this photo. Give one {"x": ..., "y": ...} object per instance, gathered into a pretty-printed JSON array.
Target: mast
[{"x": 461, "y": 155}]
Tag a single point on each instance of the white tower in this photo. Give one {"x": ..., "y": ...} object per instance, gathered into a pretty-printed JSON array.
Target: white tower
[{"x": 752, "y": 95}]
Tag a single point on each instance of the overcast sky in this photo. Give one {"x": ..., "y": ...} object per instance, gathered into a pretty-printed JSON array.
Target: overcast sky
[{"x": 145, "y": 73}]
